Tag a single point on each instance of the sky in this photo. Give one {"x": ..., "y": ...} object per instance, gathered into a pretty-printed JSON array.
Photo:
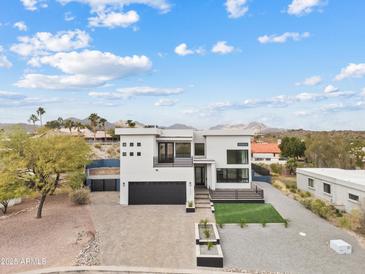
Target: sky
[{"x": 285, "y": 63}]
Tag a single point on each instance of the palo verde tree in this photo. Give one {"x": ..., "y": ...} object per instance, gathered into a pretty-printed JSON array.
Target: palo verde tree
[
  {"x": 292, "y": 147},
  {"x": 41, "y": 160}
]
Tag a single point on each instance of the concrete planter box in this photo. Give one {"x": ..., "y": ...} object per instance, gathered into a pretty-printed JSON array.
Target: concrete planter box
[
  {"x": 212, "y": 257},
  {"x": 200, "y": 237},
  {"x": 190, "y": 209}
]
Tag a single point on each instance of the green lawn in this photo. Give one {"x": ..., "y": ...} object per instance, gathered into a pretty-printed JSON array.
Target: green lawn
[{"x": 230, "y": 213}]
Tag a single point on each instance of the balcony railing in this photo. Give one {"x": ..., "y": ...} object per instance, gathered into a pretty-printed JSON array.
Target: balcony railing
[{"x": 176, "y": 162}]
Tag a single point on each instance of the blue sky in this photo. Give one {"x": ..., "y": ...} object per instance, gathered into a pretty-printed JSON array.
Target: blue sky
[{"x": 287, "y": 63}]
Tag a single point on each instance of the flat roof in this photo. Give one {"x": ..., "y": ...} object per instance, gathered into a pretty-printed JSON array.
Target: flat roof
[
  {"x": 342, "y": 176},
  {"x": 180, "y": 132}
]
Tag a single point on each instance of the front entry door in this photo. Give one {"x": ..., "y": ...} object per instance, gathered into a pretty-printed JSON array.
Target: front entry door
[{"x": 200, "y": 175}]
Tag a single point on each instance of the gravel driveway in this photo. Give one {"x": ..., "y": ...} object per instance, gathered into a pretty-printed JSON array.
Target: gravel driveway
[
  {"x": 145, "y": 235},
  {"x": 275, "y": 248}
]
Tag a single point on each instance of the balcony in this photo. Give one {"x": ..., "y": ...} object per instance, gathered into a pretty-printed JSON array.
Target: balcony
[{"x": 176, "y": 162}]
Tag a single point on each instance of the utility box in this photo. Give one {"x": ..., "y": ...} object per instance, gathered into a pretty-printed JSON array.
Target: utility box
[{"x": 341, "y": 247}]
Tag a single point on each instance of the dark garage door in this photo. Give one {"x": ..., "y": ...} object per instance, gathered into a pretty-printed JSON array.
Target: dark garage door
[
  {"x": 157, "y": 193},
  {"x": 104, "y": 185}
]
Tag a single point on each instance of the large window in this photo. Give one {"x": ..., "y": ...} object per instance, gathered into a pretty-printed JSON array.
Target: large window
[
  {"x": 199, "y": 149},
  {"x": 166, "y": 152},
  {"x": 327, "y": 188},
  {"x": 183, "y": 150},
  {"x": 235, "y": 157},
  {"x": 232, "y": 175}
]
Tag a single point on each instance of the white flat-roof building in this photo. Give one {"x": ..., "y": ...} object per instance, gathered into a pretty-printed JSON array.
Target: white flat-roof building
[
  {"x": 345, "y": 189},
  {"x": 163, "y": 166}
]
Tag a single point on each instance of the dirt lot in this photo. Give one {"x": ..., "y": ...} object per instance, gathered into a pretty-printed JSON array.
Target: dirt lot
[{"x": 54, "y": 238}]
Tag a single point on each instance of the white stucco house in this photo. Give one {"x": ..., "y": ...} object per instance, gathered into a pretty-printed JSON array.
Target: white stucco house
[
  {"x": 165, "y": 166},
  {"x": 345, "y": 189}
]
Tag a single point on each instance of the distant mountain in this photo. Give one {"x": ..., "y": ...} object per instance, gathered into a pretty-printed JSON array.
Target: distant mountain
[
  {"x": 256, "y": 127},
  {"x": 180, "y": 126},
  {"x": 86, "y": 121}
]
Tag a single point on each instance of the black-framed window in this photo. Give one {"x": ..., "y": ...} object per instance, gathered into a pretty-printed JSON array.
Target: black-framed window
[
  {"x": 138, "y": 144},
  {"x": 310, "y": 182},
  {"x": 232, "y": 175},
  {"x": 131, "y": 153},
  {"x": 124, "y": 153},
  {"x": 199, "y": 149},
  {"x": 139, "y": 153},
  {"x": 354, "y": 197},
  {"x": 183, "y": 150},
  {"x": 237, "y": 157},
  {"x": 131, "y": 144},
  {"x": 327, "y": 188},
  {"x": 124, "y": 144},
  {"x": 242, "y": 144},
  {"x": 165, "y": 152}
]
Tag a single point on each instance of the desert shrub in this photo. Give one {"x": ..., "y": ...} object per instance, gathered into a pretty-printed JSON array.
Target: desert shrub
[
  {"x": 276, "y": 168},
  {"x": 98, "y": 146},
  {"x": 306, "y": 203},
  {"x": 204, "y": 222},
  {"x": 242, "y": 223},
  {"x": 76, "y": 180},
  {"x": 80, "y": 196},
  {"x": 206, "y": 233},
  {"x": 279, "y": 185},
  {"x": 344, "y": 222},
  {"x": 357, "y": 219},
  {"x": 210, "y": 245}
]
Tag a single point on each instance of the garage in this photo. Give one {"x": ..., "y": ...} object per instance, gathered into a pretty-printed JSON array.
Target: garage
[
  {"x": 157, "y": 193},
  {"x": 104, "y": 185}
]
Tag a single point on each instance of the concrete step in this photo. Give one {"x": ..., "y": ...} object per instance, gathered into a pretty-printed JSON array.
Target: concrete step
[
  {"x": 202, "y": 205},
  {"x": 201, "y": 192},
  {"x": 201, "y": 196},
  {"x": 202, "y": 201}
]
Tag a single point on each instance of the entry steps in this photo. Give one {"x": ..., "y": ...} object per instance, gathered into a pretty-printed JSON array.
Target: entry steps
[{"x": 202, "y": 199}]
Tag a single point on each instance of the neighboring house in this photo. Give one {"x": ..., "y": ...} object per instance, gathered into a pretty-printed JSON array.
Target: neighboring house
[
  {"x": 163, "y": 166},
  {"x": 345, "y": 189},
  {"x": 103, "y": 175},
  {"x": 265, "y": 153}
]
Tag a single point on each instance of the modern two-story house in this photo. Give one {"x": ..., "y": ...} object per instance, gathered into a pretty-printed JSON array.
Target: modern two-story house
[{"x": 165, "y": 166}]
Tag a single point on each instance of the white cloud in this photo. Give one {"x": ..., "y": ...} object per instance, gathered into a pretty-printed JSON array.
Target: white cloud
[
  {"x": 183, "y": 50},
  {"x": 310, "y": 81},
  {"x": 330, "y": 89},
  {"x": 84, "y": 69},
  {"x": 301, "y": 7},
  {"x": 114, "y": 19},
  {"x": 236, "y": 8},
  {"x": 9, "y": 95},
  {"x": 111, "y": 14},
  {"x": 69, "y": 17},
  {"x": 164, "y": 102},
  {"x": 295, "y": 36},
  {"x": 221, "y": 47},
  {"x": 363, "y": 92},
  {"x": 44, "y": 42},
  {"x": 351, "y": 71},
  {"x": 4, "y": 61},
  {"x": 30, "y": 4},
  {"x": 21, "y": 26},
  {"x": 124, "y": 93},
  {"x": 102, "y": 5}
]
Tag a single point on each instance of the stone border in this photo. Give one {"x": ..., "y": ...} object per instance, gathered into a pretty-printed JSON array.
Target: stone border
[
  {"x": 128, "y": 269},
  {"x": 257, "y": 224},
  {"x": 202, "y": 241}
]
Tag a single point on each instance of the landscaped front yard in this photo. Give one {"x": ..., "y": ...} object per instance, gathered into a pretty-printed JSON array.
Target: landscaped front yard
[{"x": 230, "y": 213}]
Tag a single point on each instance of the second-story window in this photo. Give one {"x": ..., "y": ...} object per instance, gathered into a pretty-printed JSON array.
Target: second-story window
[
  {"x": 165, "y": 152},
  {"x": 199, "y": 149},
  {"x": 237, "y": 157},
  {"x": 131, "y": 144},
  {"x": 138, "y": 144},
  {"x": 183, "y": 150}
]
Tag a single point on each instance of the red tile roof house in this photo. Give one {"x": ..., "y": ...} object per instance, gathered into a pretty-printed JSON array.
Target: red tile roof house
[{"x": 265, "y": 153}]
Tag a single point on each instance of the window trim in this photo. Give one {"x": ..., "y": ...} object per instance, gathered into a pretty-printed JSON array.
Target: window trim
[
  {"x": 139, "y": 154},
  {"x": 233, "y": 181},
  {"x": 165, "y": 159},
  {"x": 195, "y": 149},
  {"x": 352, "y": 200},
  {"x": 185, "y": 156},
  {"x": 131, "y": 144},
  {"x": 131, "y": 153},
  {"x": 330, "y": 187},
  {"x": 310, "y": 186},
  {"x": 139, "y": 144},
  {"x": 124, "y": 144},
  {"x": 124, "y": 154}
]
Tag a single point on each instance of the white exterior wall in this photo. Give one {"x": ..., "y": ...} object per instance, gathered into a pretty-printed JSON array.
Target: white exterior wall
[
  {"x": 339, "y": 193},
  {"x": 266, "y": 158},
  {"x": 216, "y": 148},
  {"x": 140, "y": 168}
]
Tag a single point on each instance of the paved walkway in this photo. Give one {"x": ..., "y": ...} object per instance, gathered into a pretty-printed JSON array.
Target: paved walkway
[
  {"x": 275, "y": 248},
  {"x": 145, "y": 235}
]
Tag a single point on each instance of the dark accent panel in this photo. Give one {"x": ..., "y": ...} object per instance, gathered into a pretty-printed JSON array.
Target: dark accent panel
[
  {"x": 164, "y": 193},
  {"x": 104, "y": 163},
  {"x": 104, "y": 185},
  {"x": 209, "y": 262}
]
